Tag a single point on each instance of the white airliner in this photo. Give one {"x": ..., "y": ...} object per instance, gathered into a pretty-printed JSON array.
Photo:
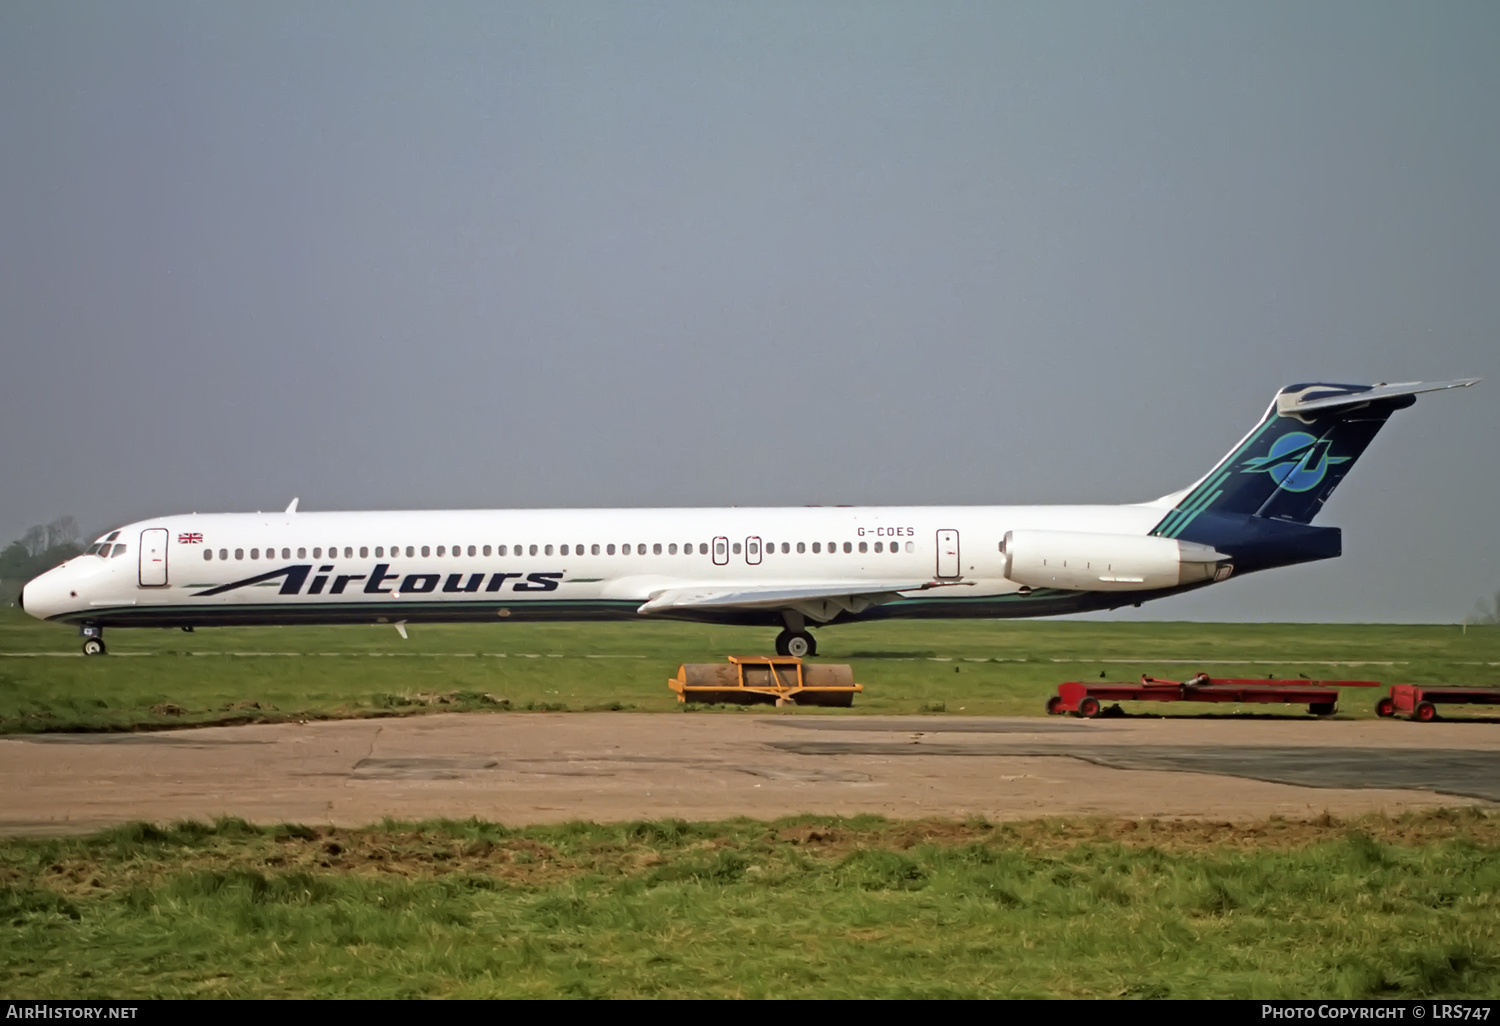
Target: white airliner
[{"x": 787, "y": 568}]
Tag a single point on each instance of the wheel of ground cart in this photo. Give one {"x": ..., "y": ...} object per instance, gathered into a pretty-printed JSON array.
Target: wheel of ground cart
[
  {"x": 1053, "y": 705},
  {"x": 93, "y": 647},
  {"x": 1385, "y": 707},
  {"x": 1088, "y": 708},
  {"x": 1426, "y": 712},
  {"x": 1322, "y": 708}
]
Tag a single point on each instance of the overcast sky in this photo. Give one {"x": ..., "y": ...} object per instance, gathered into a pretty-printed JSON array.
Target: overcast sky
[{"x": 603, "y": 254}]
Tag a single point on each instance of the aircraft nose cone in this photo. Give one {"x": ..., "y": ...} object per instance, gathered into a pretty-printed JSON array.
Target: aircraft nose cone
[{"x": 45, "y": 596}]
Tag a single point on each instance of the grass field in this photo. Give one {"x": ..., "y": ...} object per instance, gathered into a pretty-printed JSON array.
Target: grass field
[
  {"x": 168, "y": 678},
  {"x": 828, "y": 908}
]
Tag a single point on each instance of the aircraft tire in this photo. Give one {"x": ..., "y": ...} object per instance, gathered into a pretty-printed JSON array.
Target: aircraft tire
[
  {"x": 796, "y": 643},
  {"x": 94, "y": 647}
]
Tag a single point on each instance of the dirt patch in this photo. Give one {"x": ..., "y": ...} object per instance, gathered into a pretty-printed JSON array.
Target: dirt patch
[{"x": 613, "y": 767}]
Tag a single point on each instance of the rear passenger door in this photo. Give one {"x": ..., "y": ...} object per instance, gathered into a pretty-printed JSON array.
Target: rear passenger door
[{"x": 947, "y": 554}]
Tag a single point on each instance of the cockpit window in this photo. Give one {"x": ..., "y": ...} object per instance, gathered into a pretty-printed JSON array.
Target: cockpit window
[
  {"x": 112, "y": 536},
  {"x": 93, "y": 549},
  {"x": 119, "y": 551}
]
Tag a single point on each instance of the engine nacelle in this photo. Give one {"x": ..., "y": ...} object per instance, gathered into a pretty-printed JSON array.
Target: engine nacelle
[{"x": 1080, "y": 561}]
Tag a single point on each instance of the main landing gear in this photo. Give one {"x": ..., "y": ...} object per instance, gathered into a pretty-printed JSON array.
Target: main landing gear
[
  {"x": 796, "y": 643},
  {"x": 93, "y": 641}
]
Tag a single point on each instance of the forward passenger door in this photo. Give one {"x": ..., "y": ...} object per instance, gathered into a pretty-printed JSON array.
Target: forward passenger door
[{"x": 153, "y": 573}]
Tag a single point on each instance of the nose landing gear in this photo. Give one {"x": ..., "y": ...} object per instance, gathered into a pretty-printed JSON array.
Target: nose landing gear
[{"x": 93, "y": 641}]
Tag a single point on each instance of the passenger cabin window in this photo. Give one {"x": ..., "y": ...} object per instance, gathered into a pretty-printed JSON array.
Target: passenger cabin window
[
  {"x": 301, "y": 553},
  {"x": 255, "y": 553},
  {"x": 207, "y": 553},
  {"x": 223, "y": 553},
  {"x": 549, "y": 550},
  {"x": 703, "y": 548},
  {"x": 801, "y": 548},
  {"x": 593, "y": 550},
  {"x": 863, "y": 546},
  {"x": 672, "y": 549},
  {"x": 427, "y": 551},
  {"x": 736, "y": 547},
  {"x": 656, "y": 549},
  {"x": 486, "y": 550},
  {"x": 564, "y": 550},
  {"x": 533, "y": 550},
  {"x": 500, "y": 550},
  {"x": 817, "y": 547},
  {"x": 239, "y": 553},
  {"x": 364, "y": 552},
  {"x": 609, "y": 549}
]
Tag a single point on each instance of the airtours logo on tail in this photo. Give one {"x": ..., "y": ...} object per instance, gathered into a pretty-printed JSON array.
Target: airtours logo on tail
[
  {"x": 1297, "y": 461},
  {"x": 381, "y": 581}
]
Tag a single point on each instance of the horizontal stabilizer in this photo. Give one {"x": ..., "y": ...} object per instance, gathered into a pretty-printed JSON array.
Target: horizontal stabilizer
[{"x": 1331, "y": 397}]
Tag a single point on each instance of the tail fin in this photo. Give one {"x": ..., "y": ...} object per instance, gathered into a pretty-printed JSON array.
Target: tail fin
[{"x": 1290, "y": 463}]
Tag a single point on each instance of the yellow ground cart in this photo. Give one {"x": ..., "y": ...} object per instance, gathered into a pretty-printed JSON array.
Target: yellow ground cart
[{"x": 782, "y": 680}]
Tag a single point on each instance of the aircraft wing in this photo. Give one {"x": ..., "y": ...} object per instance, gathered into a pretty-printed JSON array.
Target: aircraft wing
[{"x": 843, "y": 593}]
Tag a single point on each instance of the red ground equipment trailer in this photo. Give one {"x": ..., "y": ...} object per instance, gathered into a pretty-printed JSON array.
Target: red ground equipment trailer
[
  {"x": 1320, "y": 696},
  {"x": 1420, "y": 701}
]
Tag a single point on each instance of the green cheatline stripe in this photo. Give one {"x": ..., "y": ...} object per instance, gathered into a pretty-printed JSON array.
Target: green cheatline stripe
[
  {"x": 1209, "y": 485},
  {"x": 1188, "y": 522},
  {"x": 1188, "y": 508},
  {"x": 1195, "y": 505},
  {"x": 382, "y": 609},
  {"x": 1187, "y": 513}
]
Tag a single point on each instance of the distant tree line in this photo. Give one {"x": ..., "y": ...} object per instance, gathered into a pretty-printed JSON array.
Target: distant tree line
[
  {"x": 1486, "y": 612},
  {"x": 40, "y": 548}
]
